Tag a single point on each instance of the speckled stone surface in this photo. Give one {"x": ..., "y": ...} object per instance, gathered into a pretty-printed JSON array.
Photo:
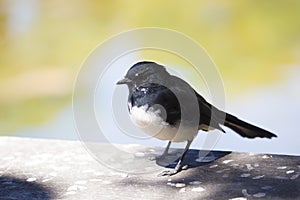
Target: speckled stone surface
[{"x": 53, "y": 169}]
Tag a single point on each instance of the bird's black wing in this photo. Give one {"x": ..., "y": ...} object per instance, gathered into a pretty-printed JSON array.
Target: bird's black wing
[{"x": 209, "y": 116}]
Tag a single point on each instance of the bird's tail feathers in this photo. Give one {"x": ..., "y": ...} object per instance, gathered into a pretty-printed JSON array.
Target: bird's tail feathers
[{"x": 245, "y": 129}]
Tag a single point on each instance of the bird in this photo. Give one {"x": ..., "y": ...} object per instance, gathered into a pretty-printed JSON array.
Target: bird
[{"x": 166, "y": 107}]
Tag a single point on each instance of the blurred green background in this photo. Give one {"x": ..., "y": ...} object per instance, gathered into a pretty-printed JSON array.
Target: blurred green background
[{"x": 43, "y": 43}]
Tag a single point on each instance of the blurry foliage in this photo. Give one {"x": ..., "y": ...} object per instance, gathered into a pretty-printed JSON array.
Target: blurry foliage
[{"x": 252, "y": 42}]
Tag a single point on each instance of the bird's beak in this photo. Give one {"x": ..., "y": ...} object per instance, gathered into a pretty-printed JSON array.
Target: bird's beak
[{"x": 124, "y": 81}]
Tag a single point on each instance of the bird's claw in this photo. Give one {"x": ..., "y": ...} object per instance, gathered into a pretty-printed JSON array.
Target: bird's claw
[
  {"x": 173, "y": 171},
  {"x": 168, "y": 172}
]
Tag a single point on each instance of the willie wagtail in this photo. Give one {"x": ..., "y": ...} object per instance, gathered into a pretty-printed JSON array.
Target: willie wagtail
[{"x": 168, "y": 108}]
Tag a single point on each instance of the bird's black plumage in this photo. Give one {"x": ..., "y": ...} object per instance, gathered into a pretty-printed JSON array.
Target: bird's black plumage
[{"x": 155, "y": 95}]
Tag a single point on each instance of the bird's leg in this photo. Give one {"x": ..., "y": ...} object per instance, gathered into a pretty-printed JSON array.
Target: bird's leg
[
  {"x": 166, "y": 150},
  {"x": 164, "y": 153},
  {"x": 179, "y": 166}
]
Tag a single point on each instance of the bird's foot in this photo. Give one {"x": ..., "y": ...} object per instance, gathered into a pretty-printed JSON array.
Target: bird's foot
[
  {"x": 169, "y": 172},
  {"x": 173, "y": 171}
]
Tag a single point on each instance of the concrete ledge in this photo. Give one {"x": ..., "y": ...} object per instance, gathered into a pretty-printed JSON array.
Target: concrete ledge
[{"x": 53, "y": 169}]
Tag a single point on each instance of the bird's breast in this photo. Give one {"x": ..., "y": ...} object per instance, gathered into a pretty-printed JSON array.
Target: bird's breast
[{"x": 150, "y": 121}]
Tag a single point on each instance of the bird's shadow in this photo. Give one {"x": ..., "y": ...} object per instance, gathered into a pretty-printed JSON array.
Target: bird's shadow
[
  {"x": 193, "y": 158},
  {"x": 17, "y": 188}
]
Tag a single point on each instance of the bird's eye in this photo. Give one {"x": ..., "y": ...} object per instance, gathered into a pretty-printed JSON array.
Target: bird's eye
[{"x": 136, "y": 74}]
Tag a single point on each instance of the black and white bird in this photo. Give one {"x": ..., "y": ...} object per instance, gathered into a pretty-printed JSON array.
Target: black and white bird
[{"x": 168, "y": 108}]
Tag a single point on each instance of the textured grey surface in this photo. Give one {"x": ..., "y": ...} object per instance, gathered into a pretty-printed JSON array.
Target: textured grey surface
[{"x": 53, "y": 169}]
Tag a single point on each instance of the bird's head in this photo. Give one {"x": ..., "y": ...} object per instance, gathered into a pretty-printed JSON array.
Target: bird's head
[{"x": 144, "y": 72}]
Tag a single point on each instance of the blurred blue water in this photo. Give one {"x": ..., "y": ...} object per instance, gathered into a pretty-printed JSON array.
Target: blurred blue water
[{"x": 275, "y": 107}]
